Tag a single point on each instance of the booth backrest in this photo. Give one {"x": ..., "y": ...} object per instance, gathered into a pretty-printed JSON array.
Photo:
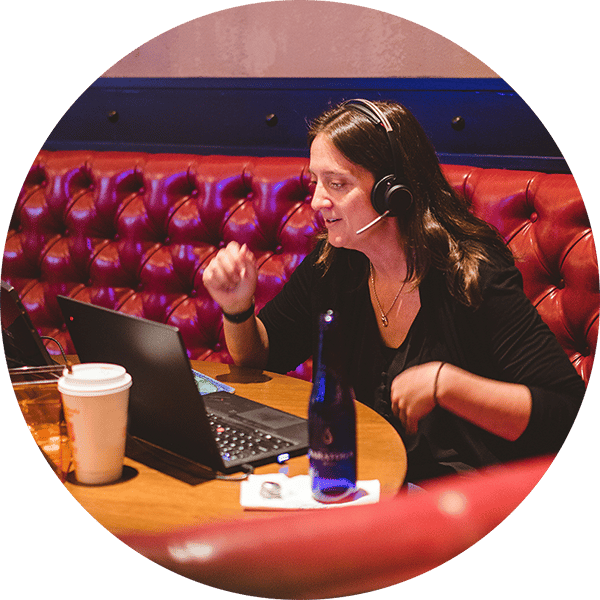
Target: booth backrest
[
  {"x": 346, "y": 551},
  {"x": 133, "y": 232}
]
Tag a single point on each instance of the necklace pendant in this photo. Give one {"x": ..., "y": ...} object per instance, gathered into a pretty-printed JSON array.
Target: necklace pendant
[{"x": 384, "y": 321}]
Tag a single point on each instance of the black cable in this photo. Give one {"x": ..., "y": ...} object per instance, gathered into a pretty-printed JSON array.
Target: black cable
[
  {"x": 47, "y": 337},
  {"x": 67, "y": 362}
]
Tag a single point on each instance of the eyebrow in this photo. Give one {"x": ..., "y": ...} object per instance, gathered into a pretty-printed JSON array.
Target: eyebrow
[{"x": 336, "y": 173}]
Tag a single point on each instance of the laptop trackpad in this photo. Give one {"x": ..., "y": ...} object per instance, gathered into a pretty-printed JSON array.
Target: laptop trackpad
[
  {"x": 269, "y": 417},
  {"x": 248, "y": 411}
]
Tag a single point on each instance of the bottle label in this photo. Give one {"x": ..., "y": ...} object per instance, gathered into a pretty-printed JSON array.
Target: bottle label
[
  {"x": 332, "y": 458},
  {"x": 328, "y": 458}
]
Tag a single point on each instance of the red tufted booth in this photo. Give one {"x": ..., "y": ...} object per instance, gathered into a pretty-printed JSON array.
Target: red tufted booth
[
  {"x": 345, "y": 551},
  {"x": 134, "y": 232}
]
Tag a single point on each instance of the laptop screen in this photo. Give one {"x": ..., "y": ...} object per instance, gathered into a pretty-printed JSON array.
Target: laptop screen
[{"x": 22, "y": 343}]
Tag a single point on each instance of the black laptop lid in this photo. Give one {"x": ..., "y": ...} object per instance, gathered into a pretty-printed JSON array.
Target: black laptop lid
[{"x": 165, "y": 407}]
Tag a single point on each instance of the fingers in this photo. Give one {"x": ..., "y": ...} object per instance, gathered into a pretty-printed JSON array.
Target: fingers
[
  {"x": 249, "y": 262},
  {"x": 229, "y": 266},
  {"x": 411, "y": 425},
  {"x": 402, "y": 411},
  {"x": 231, "y": 276},
  {"x": 411, "y": 395}
]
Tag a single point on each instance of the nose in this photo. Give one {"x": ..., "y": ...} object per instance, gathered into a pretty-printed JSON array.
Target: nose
[{"x": 320, "y": 199}]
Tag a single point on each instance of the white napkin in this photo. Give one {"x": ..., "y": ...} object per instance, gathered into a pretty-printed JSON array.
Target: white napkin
[{"x": 296, "y": 494}]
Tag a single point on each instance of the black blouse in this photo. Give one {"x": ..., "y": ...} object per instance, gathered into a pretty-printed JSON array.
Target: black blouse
[{"x": 504, "y": 339}]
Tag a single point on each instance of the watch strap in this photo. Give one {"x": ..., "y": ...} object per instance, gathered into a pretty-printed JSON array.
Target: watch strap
[{"x": 240, "y": 317}]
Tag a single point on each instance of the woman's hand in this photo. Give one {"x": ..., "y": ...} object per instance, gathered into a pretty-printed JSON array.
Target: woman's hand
[
  {"x": 499, "y": 407},
  {"x": 231, "y": 278},
  {"x": 412, "y": 394}
]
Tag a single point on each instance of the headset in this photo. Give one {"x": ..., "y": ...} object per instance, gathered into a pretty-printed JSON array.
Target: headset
[{"x": 390, "y": 195}]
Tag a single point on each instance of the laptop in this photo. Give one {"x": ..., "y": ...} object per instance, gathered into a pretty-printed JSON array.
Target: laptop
[
  {"x": 23, "y": 346},
  {"x": 175, "y": 408}
]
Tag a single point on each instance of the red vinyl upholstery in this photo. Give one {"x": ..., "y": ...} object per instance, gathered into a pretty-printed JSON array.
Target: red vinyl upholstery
[
  {"x": 134, "y": 232},
  {"x": 345, "y": 551}
]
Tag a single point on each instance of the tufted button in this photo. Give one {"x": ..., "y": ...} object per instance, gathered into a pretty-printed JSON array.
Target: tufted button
[
  {"x": 194, "y": 193},
  {"x": 167, "y": 241},
  {"x": 534, "y": 217},
  {"x": 561, "y": 284},
  {"x": 142, "y": 190},
  {"x": 193, "y": 293},
  {"x": 458, "y": 123},
  {"x": 221, "y": 244},
  {"x": 279, "y": 249},
  {"x": 117, "y": 237}
]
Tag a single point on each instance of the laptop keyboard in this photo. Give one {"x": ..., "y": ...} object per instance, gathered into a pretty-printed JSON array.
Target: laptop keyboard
[{"x": 238, "y": 442}]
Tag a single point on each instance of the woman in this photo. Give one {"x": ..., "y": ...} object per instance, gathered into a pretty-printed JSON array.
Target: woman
[{"x": 439, "y": 336}]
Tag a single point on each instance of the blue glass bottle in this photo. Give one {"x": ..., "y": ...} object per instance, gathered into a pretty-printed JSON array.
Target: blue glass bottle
[{"x": 331, "y": 419}]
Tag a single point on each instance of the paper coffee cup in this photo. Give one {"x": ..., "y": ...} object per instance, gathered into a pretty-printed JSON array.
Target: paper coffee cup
[{"x": 95, "y": 398}]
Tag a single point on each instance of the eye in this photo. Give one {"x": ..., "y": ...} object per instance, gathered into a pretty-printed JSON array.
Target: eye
[{"x": 336, "y": 185}]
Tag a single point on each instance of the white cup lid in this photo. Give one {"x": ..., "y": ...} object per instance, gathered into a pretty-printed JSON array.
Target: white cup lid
[{"x": 90, "y": 379}]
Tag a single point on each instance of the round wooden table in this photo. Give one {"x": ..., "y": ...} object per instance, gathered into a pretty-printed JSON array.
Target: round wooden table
[{"x": 147, "y": 499}]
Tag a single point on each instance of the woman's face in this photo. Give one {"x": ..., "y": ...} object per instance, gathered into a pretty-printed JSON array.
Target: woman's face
[{"x": 342, "y": 194}]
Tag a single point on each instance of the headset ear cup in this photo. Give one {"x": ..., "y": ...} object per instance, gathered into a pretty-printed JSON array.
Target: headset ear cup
[
  {"x": 389, "y": 195},
  {"x": 399, "y": 199},
  {"x": 379, "y": 194}
]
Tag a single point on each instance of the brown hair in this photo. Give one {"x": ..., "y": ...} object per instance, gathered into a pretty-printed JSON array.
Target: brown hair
[{"x": 438, "y": 229}]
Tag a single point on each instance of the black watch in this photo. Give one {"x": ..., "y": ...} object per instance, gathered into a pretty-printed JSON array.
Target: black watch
[{"x": 240, "y": 317}]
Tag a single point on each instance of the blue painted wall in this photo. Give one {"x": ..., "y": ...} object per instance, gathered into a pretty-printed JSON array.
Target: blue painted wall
[{"x": 255, "y": 116}]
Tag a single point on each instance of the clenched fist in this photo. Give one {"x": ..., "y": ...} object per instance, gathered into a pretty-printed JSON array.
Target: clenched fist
[{"x": 231, "y": 278}]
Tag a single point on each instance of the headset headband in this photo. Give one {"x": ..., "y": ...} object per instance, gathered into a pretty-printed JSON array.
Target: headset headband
[
  {"x": 390, "y": 194},
  {"x": 371, "y": 110}
]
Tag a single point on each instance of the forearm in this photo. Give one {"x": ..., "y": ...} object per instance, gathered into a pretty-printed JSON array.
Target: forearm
[
  {"x": 247, "y": 342},
  {"x": 501, "y": 408}
]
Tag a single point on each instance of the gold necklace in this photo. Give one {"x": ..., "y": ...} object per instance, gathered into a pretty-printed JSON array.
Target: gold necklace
[{"x": 384, "y": 320}]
